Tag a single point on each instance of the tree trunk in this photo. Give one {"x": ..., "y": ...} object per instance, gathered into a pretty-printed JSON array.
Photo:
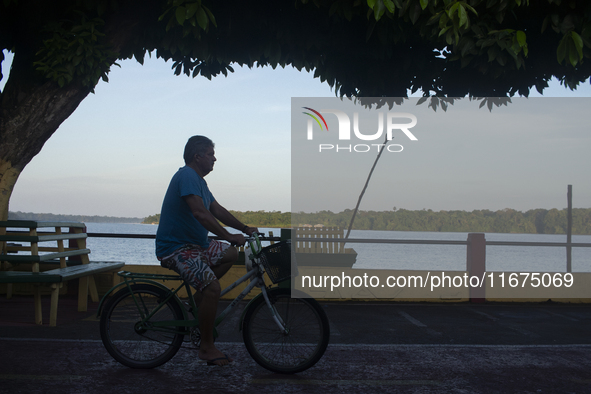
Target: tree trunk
[
  {"x": 31, "y": 110},
  {"x": 32, "y": 107}
]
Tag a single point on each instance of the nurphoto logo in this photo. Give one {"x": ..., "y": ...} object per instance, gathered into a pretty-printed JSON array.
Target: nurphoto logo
[{"x": 392, "y": 120}]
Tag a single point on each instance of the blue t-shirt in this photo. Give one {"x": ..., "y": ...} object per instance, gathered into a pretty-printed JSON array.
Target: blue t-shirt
[{"x": 178, "y": 226}]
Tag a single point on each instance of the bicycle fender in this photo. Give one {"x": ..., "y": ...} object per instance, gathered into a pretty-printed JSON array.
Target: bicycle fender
[{"x": 130, "y": 283}]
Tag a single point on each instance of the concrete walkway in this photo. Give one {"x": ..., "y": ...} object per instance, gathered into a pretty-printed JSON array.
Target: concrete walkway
[{"x": 375, "y": 348}]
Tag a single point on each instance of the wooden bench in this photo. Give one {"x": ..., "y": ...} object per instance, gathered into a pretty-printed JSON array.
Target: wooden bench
[
  {"x": 322, "y": 234},
  {"x": 321, "y": 247},
  {"x": 73, "y": 261}
]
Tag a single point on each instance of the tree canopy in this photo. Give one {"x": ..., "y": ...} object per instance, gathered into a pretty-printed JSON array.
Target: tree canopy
[{"x": 371, "y": 48}]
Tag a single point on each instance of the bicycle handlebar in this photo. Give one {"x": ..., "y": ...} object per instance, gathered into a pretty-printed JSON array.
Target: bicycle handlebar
[
  {"x": 253, "y": 240},
  {"x": 256, "y": 235},
  {"x": 249, "y": 238}
]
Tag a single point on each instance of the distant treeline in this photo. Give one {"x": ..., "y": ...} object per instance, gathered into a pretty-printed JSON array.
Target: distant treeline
[
  {"x": 534, "y": 221},
  {"x": 50, "y": 217},
  {"x": 153, "y": 219},
  {"x": 274, "y": 219}
]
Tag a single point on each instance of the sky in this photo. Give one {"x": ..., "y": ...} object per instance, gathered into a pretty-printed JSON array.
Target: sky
[{"x": 116, "y": 154}]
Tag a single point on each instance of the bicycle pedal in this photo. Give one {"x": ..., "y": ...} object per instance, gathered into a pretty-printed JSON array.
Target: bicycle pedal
[{"x": 195, "y": 337}]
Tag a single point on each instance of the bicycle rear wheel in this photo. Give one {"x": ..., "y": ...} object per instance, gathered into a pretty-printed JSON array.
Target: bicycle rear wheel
[
  {"x": 304, "y": 343},
  {"x": 135, "y": 345}
]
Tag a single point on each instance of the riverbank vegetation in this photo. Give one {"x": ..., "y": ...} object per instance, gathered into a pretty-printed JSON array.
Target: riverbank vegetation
[
  {"x": 272, "y": 219},
  {"x": 534, "y": 221},
  {"x": 50, "y": 217}
]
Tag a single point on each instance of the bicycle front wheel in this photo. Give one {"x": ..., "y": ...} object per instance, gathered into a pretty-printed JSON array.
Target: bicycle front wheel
[
  {"x": 300, "y": 347},
  {"x": 133, "y": 342}
]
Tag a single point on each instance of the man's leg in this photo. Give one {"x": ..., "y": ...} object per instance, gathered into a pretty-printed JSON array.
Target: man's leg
[
  {"x": 226, "y": 262},
  {"x": 207, "y": 314},
  {"x": 224, "y": 265},
  {"x": 189, "y": 262},
  {"x": 207, "y": 301}
]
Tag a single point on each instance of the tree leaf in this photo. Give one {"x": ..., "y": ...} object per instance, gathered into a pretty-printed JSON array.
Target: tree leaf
[
  {"x": 492, "y": 53},
  {"x": 578, "y": 41},
  {"x": 452, "y": 10},
  {"x": 390, "y": 5},
  {"x": 443, "y": 20},
  {"x": 521, "y": 39},
  {"x": 181, "y": 15},
  {"x": 379, "y": 10},
  {"x": 561, "y": 50},
  {"x": 434, "y": 18},
  {"x": 449, "y": 38},
  {"x": 202, "y": 18},
  {"x": 415, "y": 13},
  {"x": 211, "y": 16},
  {"x": 470, "y": 8},
  {"x": 573, "y": 56},
  {"x": 192, "y": 9},
  {"x": 463, "y": 16},
  {"x": 443, "y": 31}
]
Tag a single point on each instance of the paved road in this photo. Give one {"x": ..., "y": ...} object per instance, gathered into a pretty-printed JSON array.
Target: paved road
[{"x": 375, "y": 347}]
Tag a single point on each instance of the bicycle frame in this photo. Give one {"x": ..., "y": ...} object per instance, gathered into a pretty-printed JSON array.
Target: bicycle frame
[{"x": 255, "y": 275}]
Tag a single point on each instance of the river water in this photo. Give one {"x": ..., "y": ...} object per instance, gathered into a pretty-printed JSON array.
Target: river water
[{"x": 383, "y": 256}]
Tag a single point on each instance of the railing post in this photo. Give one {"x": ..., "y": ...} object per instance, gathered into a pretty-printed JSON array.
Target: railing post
[
  {"x": 569, "y": 228},
  {"x": 476, "y": 264},
  {"x": 285, "y": 234},
  {"x": 73, "y": 244}
]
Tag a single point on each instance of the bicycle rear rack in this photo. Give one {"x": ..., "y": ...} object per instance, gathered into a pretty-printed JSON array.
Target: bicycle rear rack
[{"x": 127, "y": 275}]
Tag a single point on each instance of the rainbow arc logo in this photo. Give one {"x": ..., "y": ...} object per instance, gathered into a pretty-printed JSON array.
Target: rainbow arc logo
[{"x": 315, "y": 118}]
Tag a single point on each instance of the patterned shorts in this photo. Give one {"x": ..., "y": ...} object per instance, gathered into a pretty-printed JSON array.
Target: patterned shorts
[{"x": 193, "y": 263}]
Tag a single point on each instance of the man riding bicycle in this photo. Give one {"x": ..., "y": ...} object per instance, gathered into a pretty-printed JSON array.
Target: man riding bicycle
[{"x": 189, "y": 212}]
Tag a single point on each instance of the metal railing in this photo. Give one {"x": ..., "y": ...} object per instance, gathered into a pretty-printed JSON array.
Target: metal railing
[
  {"x": 153, "y": 236},
  {"x": 466, "y": 242},
  {"x": 442, "y": 242}
]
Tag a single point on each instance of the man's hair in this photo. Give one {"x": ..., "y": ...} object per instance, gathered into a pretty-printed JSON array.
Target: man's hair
[{"x": 197, "y": 145}]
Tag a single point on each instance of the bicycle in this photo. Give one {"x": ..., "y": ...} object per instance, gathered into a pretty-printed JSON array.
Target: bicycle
[{"x": 143, "y": 324}]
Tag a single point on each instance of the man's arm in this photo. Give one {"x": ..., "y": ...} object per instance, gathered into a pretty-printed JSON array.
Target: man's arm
[
  {"x": 228, "y": 219},
  {"x": 208, "y": 220}
]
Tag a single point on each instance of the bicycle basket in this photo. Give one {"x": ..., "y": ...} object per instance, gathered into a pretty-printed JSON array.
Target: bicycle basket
[{"x": 277, "y": 259}]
